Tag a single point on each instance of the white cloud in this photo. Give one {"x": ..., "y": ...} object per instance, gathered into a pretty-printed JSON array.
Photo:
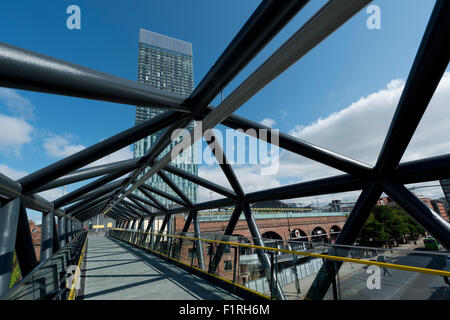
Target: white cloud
[
  {"x": 119, "y": 155},
  {"x": 52, "y": 194},
  {"x": 248, "y": 176},
  {"x": 268, "y": 122},
  {"x": 357, "y": 131},
  {"x": 15, "y": 133},
  {"x": 58, "y": 146},
  {"x": 16, "y": 103},
  {"x": 12, "y": 173}
]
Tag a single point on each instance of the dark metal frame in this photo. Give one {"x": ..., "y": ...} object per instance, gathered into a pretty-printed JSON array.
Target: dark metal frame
[{"x": 23, "y": 69}]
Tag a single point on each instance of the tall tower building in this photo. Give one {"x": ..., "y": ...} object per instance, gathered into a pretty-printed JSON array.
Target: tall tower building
[{"x": 165, "y": 63}]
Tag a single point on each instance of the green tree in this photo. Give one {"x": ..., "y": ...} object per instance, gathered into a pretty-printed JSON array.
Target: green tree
[{"x": 388, "y": 225}]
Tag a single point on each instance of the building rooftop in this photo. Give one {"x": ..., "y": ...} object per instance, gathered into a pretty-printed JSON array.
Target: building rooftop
[{"x": 165, "y": 42}]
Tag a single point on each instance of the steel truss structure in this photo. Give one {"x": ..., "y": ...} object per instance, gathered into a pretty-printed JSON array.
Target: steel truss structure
[{"x": 23, "y": 69}]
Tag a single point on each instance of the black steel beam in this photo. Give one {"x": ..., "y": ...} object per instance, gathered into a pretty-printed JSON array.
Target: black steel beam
[
  {"x": 82, "y": 216},
  {"x": 263, "y": 257},
  {"x": 221, "y": 158},
  {"x": 161, "y": 230},
  {"x": 426, "y": 217},
  {"x": 152, "y": 198},
  {"x": 92, "y": 172},
  {"x": 300, "y": 147},
  {"x": 199, "y": 246},
  {"x": 55, "y": 246},
  {"x": 76, "y": 208},
  {"x": 131, "y": 206},
  {"x": 429, "y": 65},
  {"x": 27, "y": 70},
  {"x": 47, "y": 235},
  {"x": 175, "y": 188},
  {"x": 130, "y": 211},
  {"x": 265, "y": 22},
  {"x": 45, "y": 175},
  {"x": 24, "y": 244},
  {"x": 429, "y": 169},
  {"x": 228, "y": 232},
  {"x": 162, "y": 142},
  {"x": 200, "y": 181},
  {"x": 146, "y": 201},
  {"x": 72, "y": 196},
  {"x": 9, "y": 219},
  {"x": 329, "y": 18},
  {"x": 11, "y": 189},
  {"x": 163, "y": 194},
  {"x": 352, "y": 227},
  {"x": 140, "y": 205},
  {"x": 101, "y": 190}
]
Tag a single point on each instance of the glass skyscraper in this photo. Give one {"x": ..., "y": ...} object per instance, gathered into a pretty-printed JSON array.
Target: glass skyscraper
[{"x": 165, "y": 63}]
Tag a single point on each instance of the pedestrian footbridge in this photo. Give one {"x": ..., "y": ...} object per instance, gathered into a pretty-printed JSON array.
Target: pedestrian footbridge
[{"x": 126, "y": 264}]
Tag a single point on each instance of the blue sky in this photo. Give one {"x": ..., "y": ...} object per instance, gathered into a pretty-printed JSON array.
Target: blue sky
[{"x": 351, "y": 64}]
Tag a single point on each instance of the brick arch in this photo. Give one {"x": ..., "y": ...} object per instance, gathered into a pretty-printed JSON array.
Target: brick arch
[
  {"x": 303, "y": 234},
  {"x": 332, "y": 232},
  {"x": 272, "y": 235},
  {"x": 319, "y": 233}
]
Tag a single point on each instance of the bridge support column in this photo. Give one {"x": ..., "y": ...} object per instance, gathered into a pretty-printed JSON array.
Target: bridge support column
[
  {"x": 150, "y": 229},
  {"x": 228, "y": 232},
  {"x": 24, "y": 243},
  {"x": 47, "y": 235},
  {"x": 62, "y": 231},
  {"x": 9, "y": 218},
  {"x": 199, "y": 246},
  {"x": 263, "y": 256},
  {"x": 355, "y": 222},
  {"x": 161, "y": 230},
  {"x": 69, "y": 230}
]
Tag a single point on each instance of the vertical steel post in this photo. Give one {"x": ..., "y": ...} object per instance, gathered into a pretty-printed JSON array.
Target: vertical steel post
[
  {"x": 24, "y": 243},
  {"x": 69, "y": 230},
  {"x": 47, "y": 235},
  {"x": 228, "y": 232},
  {"x": 62, "y": 231},
  {"x": 150, "y": 230},
  {"x": 161, "y": 230},
  {"x": 201, "y": 260},
  {"x": 263, "y": 257},
  {"x": 9, "y": 219},
  {"x": 352, "y": 227},
  {"x": 55, "y": 238}
]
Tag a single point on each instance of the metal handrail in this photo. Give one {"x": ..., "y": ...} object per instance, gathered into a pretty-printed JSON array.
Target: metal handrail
[{"x": 302, "y": 253}]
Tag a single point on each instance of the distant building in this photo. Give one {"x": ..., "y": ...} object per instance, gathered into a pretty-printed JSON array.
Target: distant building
[
  {"x": 165, "y": 63},
  {"x": 445, "y": 184},
  {"x": 36, "y": 237},
  {"x": 446, "y": 205},
  {"x": 271, "y": 204},
  {"x": 384, "y": 201},
  {"x": 438, "y": 206}
]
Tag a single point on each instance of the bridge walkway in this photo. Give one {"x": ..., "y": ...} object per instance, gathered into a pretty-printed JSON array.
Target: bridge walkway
[{"x": 114, "y": 270}]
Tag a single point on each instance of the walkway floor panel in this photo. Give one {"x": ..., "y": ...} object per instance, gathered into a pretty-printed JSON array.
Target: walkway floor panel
[{"x": 117, "y": 271}]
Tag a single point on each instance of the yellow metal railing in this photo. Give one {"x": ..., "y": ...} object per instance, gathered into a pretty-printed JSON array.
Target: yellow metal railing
[
  {"x": 301, "y": 253},
  {"x": 77, "y": 273}
]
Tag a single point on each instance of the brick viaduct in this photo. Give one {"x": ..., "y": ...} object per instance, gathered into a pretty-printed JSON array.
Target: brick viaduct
[{"x": 309, "y": 228}]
